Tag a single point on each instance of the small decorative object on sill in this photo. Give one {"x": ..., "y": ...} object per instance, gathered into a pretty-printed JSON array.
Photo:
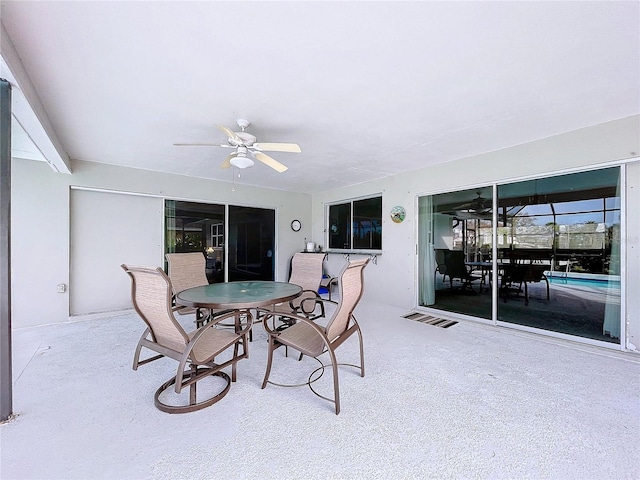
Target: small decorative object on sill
[{"x": 398, "y": 214}]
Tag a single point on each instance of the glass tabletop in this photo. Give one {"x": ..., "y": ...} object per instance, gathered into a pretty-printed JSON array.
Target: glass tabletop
[{"x": 238, "y": 295}]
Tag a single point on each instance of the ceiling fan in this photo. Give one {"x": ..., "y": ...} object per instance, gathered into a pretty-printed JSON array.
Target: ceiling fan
[
  {"x": 245, "y": 146},
  {"x": 478, "y": 204}
]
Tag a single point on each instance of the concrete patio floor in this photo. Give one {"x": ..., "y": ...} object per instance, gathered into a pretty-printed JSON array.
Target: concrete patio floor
[{"x": 469, "y": 401}]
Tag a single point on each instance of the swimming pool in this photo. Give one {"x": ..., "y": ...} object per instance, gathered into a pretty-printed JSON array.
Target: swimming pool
[{"x": 584, "y": 280}]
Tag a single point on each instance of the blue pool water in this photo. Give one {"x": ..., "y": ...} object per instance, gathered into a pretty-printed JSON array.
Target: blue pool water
[{"x": 584, "y": 282}]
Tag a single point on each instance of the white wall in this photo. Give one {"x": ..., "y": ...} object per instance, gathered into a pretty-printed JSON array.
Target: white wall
[
  {"x": 39, "y": 243},
  {"x": 40, "y": 217},
  {"x": 391, "y": 280},
  {"x": 41, "y": 225},
  {"x": 107, "y": 230}
]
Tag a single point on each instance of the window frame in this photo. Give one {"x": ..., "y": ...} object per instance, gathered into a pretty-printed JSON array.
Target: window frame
[{"x": 350, "y": 203}]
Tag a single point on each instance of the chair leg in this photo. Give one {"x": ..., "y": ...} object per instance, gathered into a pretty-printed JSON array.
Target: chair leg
[
  {"x": 361, "y": 353},
  {"x": 192, "y": 388},
  {"x": 269, "y": 362},
  {"x": 234, "y": 365},
  {"x": 336, "y": 383},
  {"x": 545, "y": 279}
]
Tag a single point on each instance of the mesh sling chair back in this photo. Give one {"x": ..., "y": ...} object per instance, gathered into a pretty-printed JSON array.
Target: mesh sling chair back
[
  {"x": 188, "y": 270},
  {"x": 521, "y": 270},
  {"x": 441, "y": 266},
  {"x": 312, "y": 339},
  {"x": 457, "y": 268},
  {"x": 306, "y": 271},
  {"x": 195, "y": 351}
]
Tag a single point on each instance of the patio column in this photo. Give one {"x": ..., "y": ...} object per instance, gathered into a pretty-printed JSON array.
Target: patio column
[{"x": 6, "y": 383}]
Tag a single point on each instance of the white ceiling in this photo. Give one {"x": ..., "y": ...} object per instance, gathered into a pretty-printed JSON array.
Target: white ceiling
[{"x": 367, "y": 89}]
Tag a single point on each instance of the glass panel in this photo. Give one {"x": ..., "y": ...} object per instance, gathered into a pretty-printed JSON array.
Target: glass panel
[
  {"x": 367, "y": 223},
  {"x": 189, "y": 227},
  {"x": 581, "y": 206},
  {"x": 560, "y": 271},
  {"x": 340, "y": 226},
  {"x": 455, "y": 244},
  {"x": 612, "y": 203},
  {"x": 251, "y": 243},
  {"x": 533, "y": 210}
]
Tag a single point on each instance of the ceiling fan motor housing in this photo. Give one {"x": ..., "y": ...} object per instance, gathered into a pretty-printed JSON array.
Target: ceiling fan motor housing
[{"x": 247, "y": 139}]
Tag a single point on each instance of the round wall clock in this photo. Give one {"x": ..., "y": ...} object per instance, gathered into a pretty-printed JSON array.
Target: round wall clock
[
  {"x": 398, "y": 214},
  {"x": 296, "y": 225}
]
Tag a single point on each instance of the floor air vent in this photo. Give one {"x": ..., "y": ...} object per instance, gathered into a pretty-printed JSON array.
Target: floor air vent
[{"x": 430, "y": 320}]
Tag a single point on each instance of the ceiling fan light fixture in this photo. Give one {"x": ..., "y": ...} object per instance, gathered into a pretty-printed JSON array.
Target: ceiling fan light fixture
[
  {"x": 241, "y": 161},
  {"x": 245, "y": 144}
]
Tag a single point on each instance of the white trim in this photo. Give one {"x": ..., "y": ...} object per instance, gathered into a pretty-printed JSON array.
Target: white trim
[
  {"x": 495, "y": 287},
  {"x": 355, "y": 199},
  {"x": 170, "y": 197},
  {"x": 119, "y": 192},
  {"x": 624, "y": 340}
]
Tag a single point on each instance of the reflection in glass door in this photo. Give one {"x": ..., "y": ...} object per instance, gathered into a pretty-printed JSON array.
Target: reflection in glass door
[
  {"x": 559, "y": 254},
  {"x": 197, "y": 227},
  {"x": 455, "y": 244},
  {"x": 200, "y": 227},
  {"x": 556, "y": 258},
  {"x": 251, "y": 243}
]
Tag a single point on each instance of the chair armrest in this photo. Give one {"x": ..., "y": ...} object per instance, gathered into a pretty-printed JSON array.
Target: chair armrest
[
  {"x": 318, "y": 328},
  {"x": 313, "y": 301}
]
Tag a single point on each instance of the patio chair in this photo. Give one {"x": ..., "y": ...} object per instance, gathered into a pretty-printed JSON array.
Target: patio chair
[
  {"x": 518, "y": 274},
  {"x": 441, "y": 267},
  {"x": 188, "y": 270},
  {"x": 306, "y": 271},
  {"x": 312, "y": 339},
  {"x": 195, "y": 351},
  {"x": 457, "y": 268}
]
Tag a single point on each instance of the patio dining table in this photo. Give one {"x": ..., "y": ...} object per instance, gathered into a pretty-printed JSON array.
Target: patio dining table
[{"x": 242, "y": 295}]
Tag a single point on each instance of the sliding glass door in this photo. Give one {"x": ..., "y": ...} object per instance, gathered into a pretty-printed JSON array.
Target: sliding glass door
[
  {"x": 197, "y": 227},
  {"x": 556, "y": 259},
  {"x": 455, "y": 245},
  {"x": 248, "y": 254},
  {"x": 559, "y": 254},
  {"x": 251, "y": 243}
]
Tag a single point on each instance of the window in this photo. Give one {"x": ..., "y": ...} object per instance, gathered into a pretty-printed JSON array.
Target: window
[
  {"x": 217, "y": 235},
  {"x": 356, "y": 225}
]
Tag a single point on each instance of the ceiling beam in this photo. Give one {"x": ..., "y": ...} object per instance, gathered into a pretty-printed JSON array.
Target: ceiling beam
[{"x": 28, "y": 110}]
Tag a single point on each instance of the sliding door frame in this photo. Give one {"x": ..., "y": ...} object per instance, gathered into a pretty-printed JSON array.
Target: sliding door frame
[{"x": 621, "y": 345}]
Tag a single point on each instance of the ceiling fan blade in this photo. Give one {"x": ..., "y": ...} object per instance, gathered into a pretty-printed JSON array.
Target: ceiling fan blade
[
  {"x": 230, "y": 133},
  {"x": 198, "y": 145},
  {"x": 227, "y": 161},
  {"x": 277, "y": 147},
  {"x": 465, "y": 206},
  {"x": 267, "y": 160}
]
